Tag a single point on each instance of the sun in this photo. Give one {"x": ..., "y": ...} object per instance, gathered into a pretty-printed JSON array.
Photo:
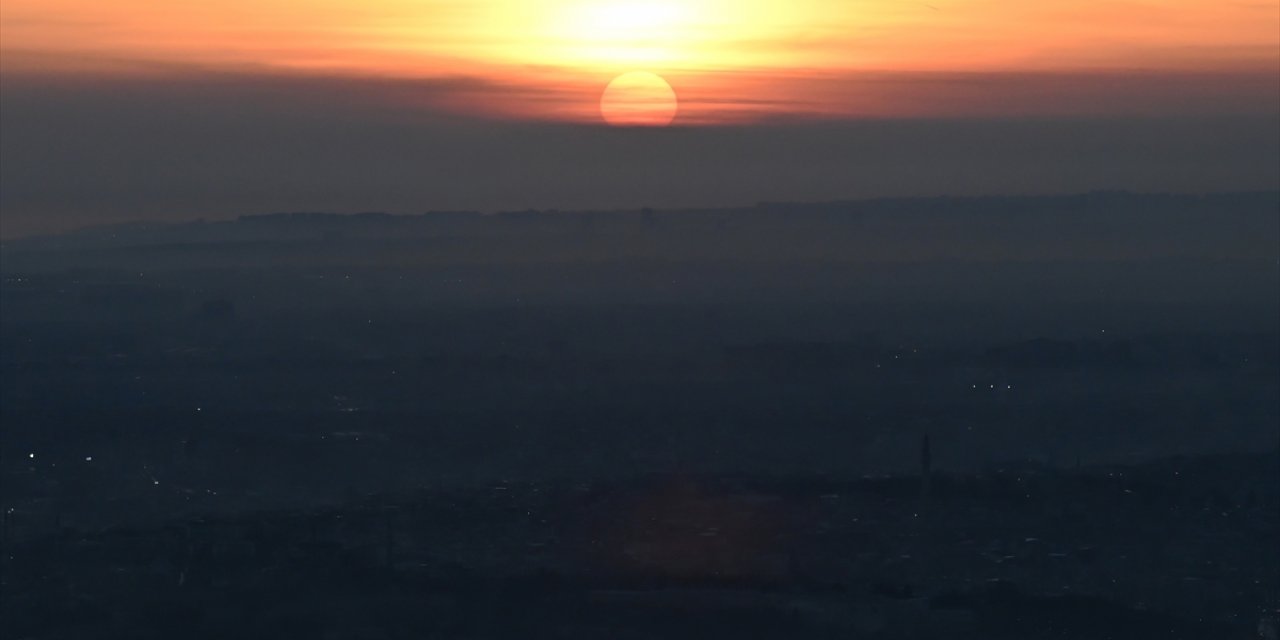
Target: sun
[{"x": 639, "y": 99}]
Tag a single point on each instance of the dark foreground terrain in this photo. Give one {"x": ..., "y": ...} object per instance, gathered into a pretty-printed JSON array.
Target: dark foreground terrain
[
  {"x": 641, "y": 424},
  {"x": 1178, "y": 548}
]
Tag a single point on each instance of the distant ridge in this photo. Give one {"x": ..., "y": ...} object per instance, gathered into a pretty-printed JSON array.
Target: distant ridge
[
  {"x": 1098, "y": 226},
  {"x": 1105, "y": 198}
]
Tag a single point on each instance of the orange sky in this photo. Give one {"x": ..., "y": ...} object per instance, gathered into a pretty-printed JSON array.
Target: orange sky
[{"x": 728, "y": 60}]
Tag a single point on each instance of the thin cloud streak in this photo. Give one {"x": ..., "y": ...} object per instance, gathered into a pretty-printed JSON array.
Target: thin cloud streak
[{"x": 706, "y": 99}]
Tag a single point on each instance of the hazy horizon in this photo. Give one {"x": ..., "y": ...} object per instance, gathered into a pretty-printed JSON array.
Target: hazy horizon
[{"x": 809, "y": 205}]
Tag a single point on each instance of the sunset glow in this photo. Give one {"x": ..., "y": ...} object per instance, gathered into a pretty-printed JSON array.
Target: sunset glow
[{"x": 734, "y": 60}]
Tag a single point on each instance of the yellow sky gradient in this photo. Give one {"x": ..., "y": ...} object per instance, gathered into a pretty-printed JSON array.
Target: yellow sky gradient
[{"x": 726, "y": 58}]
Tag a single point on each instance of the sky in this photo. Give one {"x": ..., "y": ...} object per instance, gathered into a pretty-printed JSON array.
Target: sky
[{"x": 136, "y": 109}]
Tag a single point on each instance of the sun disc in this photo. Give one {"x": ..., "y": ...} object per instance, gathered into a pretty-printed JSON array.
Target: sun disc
[{"x": 638, "y": 99}]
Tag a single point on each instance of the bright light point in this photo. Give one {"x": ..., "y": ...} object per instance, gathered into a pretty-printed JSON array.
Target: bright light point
[
  {"x": 31, "y": 455},
  {"x": 638, "y": 99},
  {"x": 88, "y": 458},
  {"x": 631, "y": 17}
]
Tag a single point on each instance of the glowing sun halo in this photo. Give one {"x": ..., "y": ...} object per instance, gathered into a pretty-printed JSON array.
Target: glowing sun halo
[{"x": 638, "y": 99}]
